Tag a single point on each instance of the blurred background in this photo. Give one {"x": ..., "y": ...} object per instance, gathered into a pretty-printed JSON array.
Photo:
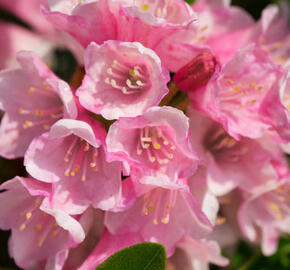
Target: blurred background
[{"x": 245, "y": 256}]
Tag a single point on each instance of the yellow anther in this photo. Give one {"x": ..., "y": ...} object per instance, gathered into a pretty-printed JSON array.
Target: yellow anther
[
  {"x": 22, "y": 227},
  {"x": 252, "y": 102},
  {"x": 165, "y": 142},
  {"x": 40, "y": 242},
  {"x": 28, "y": 215},
  {"x": 37, "y": 228},
  {"x": 66, "y": 173},
  {"x": 30, "y": 90},
  {"x": 132, "y": 72},
  {"x": 53, "y": 233},
  {"x": 92, "y": 164},
  {"x": 170, "y": 155},
  {"x": 244, "y": 92},
  {"x": 20, "y": 110},
  {"x": 204, "y": 28},
  {"x": 252, "y": 85},
  {"x": 150, "y": 208},
  {"x": 202, "y": 39},
  {"x": 37, "y": 112},
  {"x": 259, "y": 88},
  {"x": 236, "y": 89},
  {"x": 46, "y": 127},
  {"x": 145, "y": 7},
  {"x": 274, "y": 206},
  {"x": 66, "y": 159},
  {"x": 229, "y": 81},
  {"x": 165, "y": 220},
  {"x": 288, "y": 106},
  {"x": 173, "y": 147},
  {"x": 72, "y": 173},
  {"x": 145, "y": 212},
  {"x": 220, "y": 220},
  {"x": 155, "y": 222},
  {"x": 83, "y": 178},
  {"x": 27, "y": 124},
  {"x": 76, "y": 169},
  {"x": 87, "y": 148},
  {"x": 157, "y": 146}
]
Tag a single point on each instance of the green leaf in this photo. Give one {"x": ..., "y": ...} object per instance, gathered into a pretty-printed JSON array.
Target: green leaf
[{"x": 144, "y": 256}]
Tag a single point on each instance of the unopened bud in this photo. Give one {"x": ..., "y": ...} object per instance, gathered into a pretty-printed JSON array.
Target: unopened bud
[{"x": 197, "y": 72}]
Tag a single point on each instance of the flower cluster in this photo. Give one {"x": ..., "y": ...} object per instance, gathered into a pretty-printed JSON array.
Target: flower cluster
[{"x": 193, "y": 159}]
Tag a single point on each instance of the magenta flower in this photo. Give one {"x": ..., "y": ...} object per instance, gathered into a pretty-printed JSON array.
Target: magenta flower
[
  {"x": 164, "y": 213},
  {"x": 155, "y": 144},
  {"x": 244, "y": 98},
  {"x": 122, "y": 79},
  {"x": 229, "y": 163},
  {"x": 266, "y": 214},
  {"x": 80, "y": 174},
  {"x": 36, "y": 99},
  {"x": 39, "y": 233}
]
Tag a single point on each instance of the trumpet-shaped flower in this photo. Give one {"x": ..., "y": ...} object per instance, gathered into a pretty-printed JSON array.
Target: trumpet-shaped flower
[
  {"x": 33, "y": 99},
  {"x": 123, "y": 79},
  {"x": 39, "y": 233},
  {"x": 71, "y": 157},
  {"x": 155, "y": 144}
]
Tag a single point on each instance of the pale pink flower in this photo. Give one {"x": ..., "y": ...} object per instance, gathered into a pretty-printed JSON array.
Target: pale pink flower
[
  {"x": 71, "y": 157},
  {"x": 164, "y": 213},
  {"x": 155, "y": 24},
  {"x": 122, "y": 79},
  {"x": 266, "y": 214},
  {"x": 39, "y": 233},
  {"x": 193, "y": 254},
  {"x": 155, "y": 144},
  {"x": 33, "y": 99},
  {"x": 229, "y": 163},
  {"x": 244, "y": 97}
]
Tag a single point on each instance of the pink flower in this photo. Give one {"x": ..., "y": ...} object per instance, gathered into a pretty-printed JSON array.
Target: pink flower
[
  {"x": 229, "y": 163},
  {"x": 165, "y": 212},
  {"x": 193, "y": 254},
  {"x": 39, "y": 233},
  {"x": 244, "y": 97},
  {"x": 36, "y": 99},
  {"x": 71, "y": 157},
  {"x": 122, "y": 79},
  {"x": 154, "y": 144},
  {"x": 152, "y": 23},
  {"x": 266, "y": 214}
]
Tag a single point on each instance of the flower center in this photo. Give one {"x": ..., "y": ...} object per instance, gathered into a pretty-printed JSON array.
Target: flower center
[
  {"x": 41, "y": 117},
  {"x": 45, "y": 224},
  {"x": 155, "y": 145},
  {"x": 223, "y": 146},
  {"x": 159, "y": 203},
  {"x": 79, "y": 156},
  {"x": 128, "y": 79}
]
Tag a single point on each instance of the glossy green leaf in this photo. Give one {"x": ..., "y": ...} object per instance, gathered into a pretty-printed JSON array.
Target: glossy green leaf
[{"x": 144, "y": 256}]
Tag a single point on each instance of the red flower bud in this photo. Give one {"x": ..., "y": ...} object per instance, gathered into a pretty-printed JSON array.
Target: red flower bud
[{"x": 197, "y": 72}]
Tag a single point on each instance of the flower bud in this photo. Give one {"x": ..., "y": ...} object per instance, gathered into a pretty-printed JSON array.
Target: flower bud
[{"x": 197, "y": 72}]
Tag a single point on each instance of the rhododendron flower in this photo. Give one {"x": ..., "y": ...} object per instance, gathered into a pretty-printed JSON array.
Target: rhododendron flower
[
  {"x": 244, "y": 98},
  {"x": 229, "y": 163},
  {"x": 193, "y": 254},
  {"x": 78, "y": 170},
  {"x": 122, "y": 79},
  {"x": 266, "y": 214},
  {"x": 165, "y": 212},
  {"x": 33, "y": 99},
  {"x": 39, "y": 233},
  {"x": 154, "y": 144},
  {"x": 153, "y": 23}
]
